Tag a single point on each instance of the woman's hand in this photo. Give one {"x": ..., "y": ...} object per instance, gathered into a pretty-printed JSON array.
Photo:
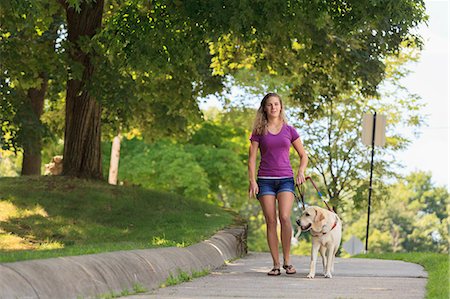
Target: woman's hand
[
  {"x": 253, "y": 189},
  {"x": 300, "y": 178},
  {"x": 298, "y": 145}
]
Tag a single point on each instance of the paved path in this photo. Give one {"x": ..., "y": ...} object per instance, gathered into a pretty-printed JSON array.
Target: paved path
[{"x": 353, "y": 278}]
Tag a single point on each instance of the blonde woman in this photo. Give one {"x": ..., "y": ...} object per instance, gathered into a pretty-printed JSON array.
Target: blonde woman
[{"x": 275, "y": 181}]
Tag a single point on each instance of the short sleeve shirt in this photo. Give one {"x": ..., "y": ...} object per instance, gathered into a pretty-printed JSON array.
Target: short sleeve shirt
[{"x": 274, "y": 150}]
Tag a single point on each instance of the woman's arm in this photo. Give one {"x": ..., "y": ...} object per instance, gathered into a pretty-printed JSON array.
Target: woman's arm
[
  {"x": 298, "y": 145},
  {"x": 253, "y": 186}
]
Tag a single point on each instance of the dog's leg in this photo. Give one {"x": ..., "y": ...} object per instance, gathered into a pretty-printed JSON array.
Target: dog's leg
[
  {"x": 314, "y": 253},
  {"x": 323, "y": 251},
  {"x": 334, "y": 258},
  {"x": 330, "y": 256}
]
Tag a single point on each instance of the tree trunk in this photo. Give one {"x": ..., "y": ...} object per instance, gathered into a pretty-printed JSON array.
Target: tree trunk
[
  {"x": 82, "y": 153},
  {"x": 31, "y": 164}
]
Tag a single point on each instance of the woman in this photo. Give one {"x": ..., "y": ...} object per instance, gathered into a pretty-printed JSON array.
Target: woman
[{"x": 275, "y": 181}]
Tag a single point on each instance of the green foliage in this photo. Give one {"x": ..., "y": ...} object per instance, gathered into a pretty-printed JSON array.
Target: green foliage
[
  {"x": 436, "y": 265},
  {"x": 431, "y": 199},
  {"x": 407, "y": 221},
  {"x": 30, "y": 51},
  {"x": 43, "y": 217},
  {"x": 216, "y": 148},
  {"x": 211, "y": 164},
  {"x": 162, "y": 165},
  {"x": 318, "y": 49},
  {"x": 338, "y": 161},
  {"x": 153, "y": 59},
  {"x": 9, "y": 163},
  {"x": 332, "y": 138},
  {"x": 159, "y": 62}
]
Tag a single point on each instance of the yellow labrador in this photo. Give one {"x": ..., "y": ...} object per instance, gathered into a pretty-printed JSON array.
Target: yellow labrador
[{"x": 326, "y": 230}]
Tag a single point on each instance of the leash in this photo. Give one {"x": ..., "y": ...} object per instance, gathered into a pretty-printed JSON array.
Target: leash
[{"x": 302, "y": 194}]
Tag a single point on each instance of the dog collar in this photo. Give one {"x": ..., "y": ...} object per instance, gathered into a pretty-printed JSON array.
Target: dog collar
[
  {"x": 321, "y": 233},
  {"x": 335, "y": 223}
]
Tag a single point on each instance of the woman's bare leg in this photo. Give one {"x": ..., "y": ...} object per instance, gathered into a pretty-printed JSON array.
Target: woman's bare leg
[
  {"x": 268, "y": 205},
  {"x": 285, "y": 202}
]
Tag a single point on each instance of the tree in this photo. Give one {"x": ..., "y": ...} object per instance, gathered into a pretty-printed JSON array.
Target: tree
[
  {"x": 209, "y": 165},
  {"x": 165, "y": 49},
  {"x": 217, "y": 148},
  {"x": 82, "y": 154},
  {"x": 317, "y": 48},
  {"x": 333, "y": 140},
  {"x": 163, "y": 61},
  {"x": 404, "y": 221},
  {"x": 154, "y": 91},
  {"x": 162, "y": 165},
  {"x": 339, "y": 162},
  {"x": 29, "y": 31},
  {"x": 432, "y": 198}
]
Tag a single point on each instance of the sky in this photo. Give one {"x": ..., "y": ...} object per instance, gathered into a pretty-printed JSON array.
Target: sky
[{"x": 429, "y": 79}]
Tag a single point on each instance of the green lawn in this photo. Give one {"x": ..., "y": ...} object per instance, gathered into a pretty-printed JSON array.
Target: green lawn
[
  {"x": 436, "y": 264},
  {"x": 43, "y": 217}
]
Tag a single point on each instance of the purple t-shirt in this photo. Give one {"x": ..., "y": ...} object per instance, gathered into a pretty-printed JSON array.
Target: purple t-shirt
[{"x": 275, "y": 152}]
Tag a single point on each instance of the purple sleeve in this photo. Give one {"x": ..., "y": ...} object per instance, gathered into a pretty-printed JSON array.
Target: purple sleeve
[
  {"x": 254, "y": 137},
  {"x": 294, "y": 134}
]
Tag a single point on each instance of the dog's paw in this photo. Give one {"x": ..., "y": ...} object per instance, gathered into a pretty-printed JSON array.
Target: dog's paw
[
  {"x": 311, "y": 275},
  {"x": 328, "y": 275}
]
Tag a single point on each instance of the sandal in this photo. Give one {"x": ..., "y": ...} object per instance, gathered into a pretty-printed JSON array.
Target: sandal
[
  {"x": 289, "y": 269},
  {"x": 274, "y": 272}
]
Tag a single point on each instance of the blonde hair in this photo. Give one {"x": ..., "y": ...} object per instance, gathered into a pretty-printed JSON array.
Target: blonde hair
[{"x": 261, "y": 121}]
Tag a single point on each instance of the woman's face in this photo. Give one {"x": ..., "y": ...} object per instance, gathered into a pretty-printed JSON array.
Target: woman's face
[{"x": 273, "y": 107}]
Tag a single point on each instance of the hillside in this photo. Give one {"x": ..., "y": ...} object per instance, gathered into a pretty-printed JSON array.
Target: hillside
[{"x": 55, "y": 216}]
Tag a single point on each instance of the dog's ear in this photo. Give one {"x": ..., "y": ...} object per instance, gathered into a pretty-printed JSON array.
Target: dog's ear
[
  {"x": 320, "y": 215},
  {"x": 318, "y": 221}
]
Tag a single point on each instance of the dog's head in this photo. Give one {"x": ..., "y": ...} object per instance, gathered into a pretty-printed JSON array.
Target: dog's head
[{"x": 312, "y": 218}]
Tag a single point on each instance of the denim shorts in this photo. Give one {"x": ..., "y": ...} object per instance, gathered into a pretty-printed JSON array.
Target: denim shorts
[{"x": 275, "y": 186}]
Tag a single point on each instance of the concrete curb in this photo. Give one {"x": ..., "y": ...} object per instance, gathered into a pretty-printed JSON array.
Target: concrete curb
[{"x": 89, "y": 276}]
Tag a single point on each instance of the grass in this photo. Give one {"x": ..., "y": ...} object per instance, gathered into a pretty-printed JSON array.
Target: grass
[
  {"x": 183, "y": 277},
  {"x": 137, "y": 289},
  {"x": 42, "y": 217},
  {"x": 436, "y": 264}
]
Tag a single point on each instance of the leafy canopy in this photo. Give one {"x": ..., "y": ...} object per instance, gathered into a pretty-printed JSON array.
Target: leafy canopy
[{"x": 153, "y": 59}]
